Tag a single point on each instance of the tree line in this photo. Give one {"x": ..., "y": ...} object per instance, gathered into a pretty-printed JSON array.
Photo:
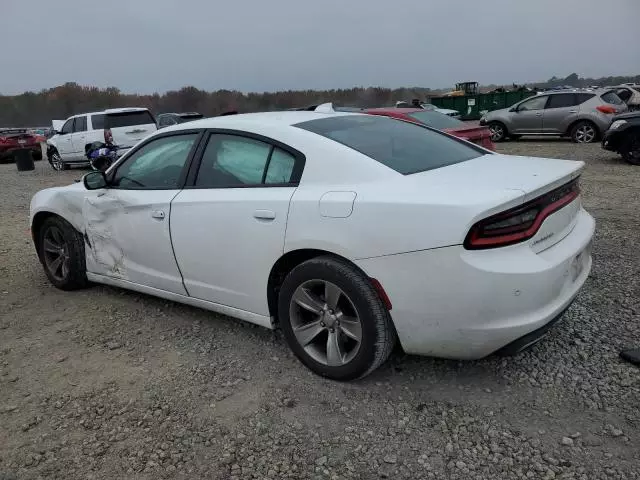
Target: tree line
[{"x": 38, "y": 109}]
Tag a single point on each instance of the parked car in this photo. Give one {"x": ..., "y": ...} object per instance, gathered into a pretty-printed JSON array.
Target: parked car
[
  {"x": 123, "y": 127},
  {"x": 623, "y": 137},
  {"x": 345, "y": 230},
  {"x": 583, "y": 115},
  {"x": 630, "y": 94},
  {"x": 473, "y": 133},
  {"x": 167, "y": 119},
  {"x": 12, "y": 139},
  {"x": 429, "y": 106}
]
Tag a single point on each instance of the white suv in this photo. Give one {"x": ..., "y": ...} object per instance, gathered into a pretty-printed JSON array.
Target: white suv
[{"x": 121, "y": 126}]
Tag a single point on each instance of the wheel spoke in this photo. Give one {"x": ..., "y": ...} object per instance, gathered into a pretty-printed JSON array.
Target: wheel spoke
[
  {"x": 65, "y": 267},
  {"x": 331, "y": 294},
  {"x": 55, "y": 264},
  {"x": 50, "y": 247},
  {"x": 308, "y": 301},
  {"x": 334, "y": 351},
  {"x": 57, "y": 236},
  {"x": 351, "y": 327},
  {"x": 307, "y": 333}
]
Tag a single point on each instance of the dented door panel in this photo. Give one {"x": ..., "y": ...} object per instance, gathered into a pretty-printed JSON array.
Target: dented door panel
[{"x": 127, "y": 237}]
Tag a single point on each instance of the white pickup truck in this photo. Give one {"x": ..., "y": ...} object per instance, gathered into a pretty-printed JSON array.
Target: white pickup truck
[{"x": 121, "y": 126}]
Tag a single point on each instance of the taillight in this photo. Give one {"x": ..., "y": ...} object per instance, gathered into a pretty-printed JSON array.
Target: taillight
[
  {"x": 606, "y": 109},
  {"x": 520, "y": 223},
  {"x": 108, "y": 136}
]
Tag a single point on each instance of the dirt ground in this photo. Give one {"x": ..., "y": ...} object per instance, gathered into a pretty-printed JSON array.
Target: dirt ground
[{"x": 104, "y": 383}]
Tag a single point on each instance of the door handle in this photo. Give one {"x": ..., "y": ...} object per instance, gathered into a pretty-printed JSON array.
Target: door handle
[
  {"x": 159, "y": 214},
  {"x": 573, "y": 111},
  {"x": 264, "y": 215},
  {"x": 538, "y": 114}
]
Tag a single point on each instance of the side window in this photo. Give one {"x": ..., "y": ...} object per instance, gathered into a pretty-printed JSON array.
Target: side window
[
  {"x": 97, "y": 121},
  {"x": 80, "y": 124},
  {"x": 232, "y": 161},
  {"x": 280, "y": 168},
  {"x": 67, "y": 127},
  {"x": 536, "y": 103},
  {"x": 583, "y": 97},
  {"x": 156, "y": 165},
  {"x": 562, "y": 100}
]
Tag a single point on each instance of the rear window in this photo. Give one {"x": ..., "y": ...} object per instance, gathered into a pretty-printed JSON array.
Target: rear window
[
  {"x": 611, "y": 97},
  {"x": 436, "y": 119},
  {"x": 402, "y": 146},
  {"x": 128, "y": 119}
]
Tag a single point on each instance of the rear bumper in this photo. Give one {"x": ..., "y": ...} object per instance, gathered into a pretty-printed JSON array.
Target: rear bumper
[
  {"x": 6, "y": 152},
  {"x": 455, "y": 303}
]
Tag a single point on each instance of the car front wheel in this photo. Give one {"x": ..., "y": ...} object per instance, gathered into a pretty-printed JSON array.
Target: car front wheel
[
  {"x": 498, "y": 131},
  {"x": 61, "y": 251},
  {"x": 56, "y": 162},
  {"x": 630, "y": 150},
  {"x": 333, "y": 319}
]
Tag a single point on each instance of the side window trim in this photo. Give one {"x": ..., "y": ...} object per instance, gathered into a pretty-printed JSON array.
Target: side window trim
[
  {"x": 266, "y": 165},
  {"x": 201, "y": 134},
  {"x": 298, "y": 167}
]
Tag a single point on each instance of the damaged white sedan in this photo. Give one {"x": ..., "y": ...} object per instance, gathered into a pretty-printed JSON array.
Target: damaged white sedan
[{"x": 349, "y": 232}]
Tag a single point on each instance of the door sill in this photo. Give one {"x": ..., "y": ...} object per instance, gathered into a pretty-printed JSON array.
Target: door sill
[{"x": 251, "y": 317}]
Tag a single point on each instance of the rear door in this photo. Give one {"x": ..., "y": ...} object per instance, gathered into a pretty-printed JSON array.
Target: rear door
[
  {"x": 130, "y": 126},
  {"x": 127, "y": 224},
  {"x": 527, "y": 117},
  {"x": 560, "y": 111},
  {"x": 228, "y": 228},
  {"x": 79, "y": 137}
]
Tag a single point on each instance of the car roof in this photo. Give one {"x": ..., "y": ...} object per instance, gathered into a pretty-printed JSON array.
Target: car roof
[
  {"x": 396, "y": 110},
  {"x": 285, "y": 118}
]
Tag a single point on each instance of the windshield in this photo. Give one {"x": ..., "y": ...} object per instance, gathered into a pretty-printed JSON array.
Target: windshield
[
  {"x": 436, "y": 119},
  {"x": 402, "y": 146},
  {"x": 128, "y": 119}
]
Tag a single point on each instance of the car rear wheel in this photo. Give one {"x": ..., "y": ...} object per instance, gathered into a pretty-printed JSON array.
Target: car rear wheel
[
  {"x": 61, "y": 251},
  {"x": 498, "y": 131},
  {"x": 333, "y": 319},
  {"x": 584, "y": 132},
  {"x": 631, "y": 149},
  {"x": 56, "y": 162}
]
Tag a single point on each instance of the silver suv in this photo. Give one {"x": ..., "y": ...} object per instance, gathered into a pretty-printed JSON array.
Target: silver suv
[{"x": 582, "y": 115}]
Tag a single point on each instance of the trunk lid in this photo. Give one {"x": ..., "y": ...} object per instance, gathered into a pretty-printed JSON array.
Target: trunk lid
[
  {"x": 473, "y": 133},
  {"x": 492, "y": 184}
]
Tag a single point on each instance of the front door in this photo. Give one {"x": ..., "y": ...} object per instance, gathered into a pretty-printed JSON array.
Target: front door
[
  {"x": 79, "y": 137},
  {"x": 127, "y": 224},
  {"x": 228, "y": 229},
  {"x": 64, "y": 143},
  {"x": 528, "y": 115}
]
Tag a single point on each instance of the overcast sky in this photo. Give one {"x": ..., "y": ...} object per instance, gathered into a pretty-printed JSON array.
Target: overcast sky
[{"x": 266, "y": 45}]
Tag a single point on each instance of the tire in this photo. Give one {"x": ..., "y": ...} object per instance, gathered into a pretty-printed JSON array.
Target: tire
[
  {"x": 498, "y": 131},
  {"x": 630, "y": 149},
  {"x": 356, "y": 300},
  {"x": 71, "y": 272},
  {"x": 56, "y": 161},
  {"x": 584, "y": 132}
]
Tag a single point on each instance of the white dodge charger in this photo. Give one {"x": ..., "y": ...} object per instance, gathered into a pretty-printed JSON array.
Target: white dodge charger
[{"x": 349, "y": 232}]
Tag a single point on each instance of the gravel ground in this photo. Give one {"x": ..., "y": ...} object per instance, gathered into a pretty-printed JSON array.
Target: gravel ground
[{"x": 104, "y": 383}]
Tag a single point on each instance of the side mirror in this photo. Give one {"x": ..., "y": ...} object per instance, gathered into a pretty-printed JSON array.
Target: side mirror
[
  {"x": 513, "y": 109},
  {"x": 94, "y": 180}
]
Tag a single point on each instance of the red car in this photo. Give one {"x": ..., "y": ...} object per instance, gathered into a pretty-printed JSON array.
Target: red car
[
  {"x": 473, "y": 133},
  {"x": 13, "y": 139}
]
